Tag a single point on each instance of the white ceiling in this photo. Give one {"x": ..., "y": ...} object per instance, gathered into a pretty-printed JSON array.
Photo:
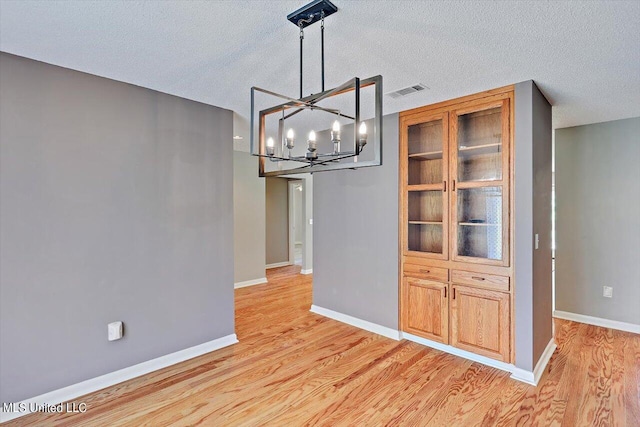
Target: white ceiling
[{"x": 585, "y": 56}]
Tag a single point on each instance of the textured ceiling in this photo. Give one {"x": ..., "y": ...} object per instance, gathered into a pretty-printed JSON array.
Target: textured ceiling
[{"x": 585, "y": 56}]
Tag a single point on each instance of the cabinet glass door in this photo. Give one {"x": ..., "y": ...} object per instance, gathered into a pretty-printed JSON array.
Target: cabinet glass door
[
  {"x": 425, "y": 201},
  {"x": 480, "y": 187},
  {"x": 480, "y": 145},
  {"x": 480, "y": 222}
]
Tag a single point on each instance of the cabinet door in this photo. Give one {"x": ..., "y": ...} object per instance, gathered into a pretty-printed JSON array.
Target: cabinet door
[
  {"x": 424, "y": 176},
  {"x": 426, "y": 309},
  {"x": 480, "y": 321},
  {"x": 479, "y": 167}
]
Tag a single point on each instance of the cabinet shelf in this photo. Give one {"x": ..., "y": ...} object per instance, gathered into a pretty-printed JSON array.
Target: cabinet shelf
[
  {"x": 426, "y": 222},
  {"x": 430, "y": 155},
  {"x": 425, "y": 187},
  {"x": 479, "y": 224},
  {"x": 476, "y": 150}
]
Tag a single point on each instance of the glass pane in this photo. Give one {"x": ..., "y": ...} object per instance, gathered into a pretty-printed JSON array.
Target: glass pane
[
  {"x": 425, "y": 153},
  {"x": 425, "y": 237},
  {"x": 480, "y": 145},
  {"x": 480, "y": 222},
  {"x": 425, "y": 206},
  {"x": 425, "y": 221}
]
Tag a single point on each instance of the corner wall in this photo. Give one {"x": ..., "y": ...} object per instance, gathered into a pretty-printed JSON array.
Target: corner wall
[
  {"x": 115, "y": 204},
  {"x": 249, "y": 219},
  {"x": 532, "y": 212},
  {"x": 277, "y": 220}
]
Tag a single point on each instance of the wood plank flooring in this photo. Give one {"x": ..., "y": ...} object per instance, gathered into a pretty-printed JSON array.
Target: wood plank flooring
[{"x": 294, "y": 368}]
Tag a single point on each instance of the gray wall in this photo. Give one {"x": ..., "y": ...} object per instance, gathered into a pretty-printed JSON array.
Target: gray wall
[
  {"x": 115, "y": 204},
  {"x": 597, "y": 212},
  {"x": 532, "y": 211},
  {"x": 249, "y": 218},
  {"x": 355, "y": 242},
  {"x": 277, "y": 220}
]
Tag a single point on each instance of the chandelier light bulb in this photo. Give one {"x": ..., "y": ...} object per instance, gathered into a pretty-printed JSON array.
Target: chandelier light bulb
[
  {"x": 335, "y": 136},
  {"x": 312, "y": 136},
  {"x": 270, "y": 146},
  {"x": 289, "y": 139},
  {"x": 362, "y": 136}
]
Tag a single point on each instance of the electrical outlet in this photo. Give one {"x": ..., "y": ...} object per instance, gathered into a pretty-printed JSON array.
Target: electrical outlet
[
  {"x": 114, "y": 331},
  {"x": 607, "y": 291}
]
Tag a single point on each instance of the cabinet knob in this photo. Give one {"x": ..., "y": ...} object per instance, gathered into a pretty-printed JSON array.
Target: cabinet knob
[
  {"x": 477, "y": 278},
  {"x": 424, "y": 270}
]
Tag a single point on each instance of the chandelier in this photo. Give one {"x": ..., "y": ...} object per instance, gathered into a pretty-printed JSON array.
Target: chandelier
[{"x": 278, "y": 146}]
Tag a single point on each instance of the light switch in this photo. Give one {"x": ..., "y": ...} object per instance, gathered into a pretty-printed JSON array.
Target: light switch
[
  {"x": 115, "y": 330},
  {"x": 310, "y": 221},
  {"x": 537, "y": 240}
]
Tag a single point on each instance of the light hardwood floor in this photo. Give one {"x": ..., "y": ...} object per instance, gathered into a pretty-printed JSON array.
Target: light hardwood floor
[{"x": 294, "y": 368}]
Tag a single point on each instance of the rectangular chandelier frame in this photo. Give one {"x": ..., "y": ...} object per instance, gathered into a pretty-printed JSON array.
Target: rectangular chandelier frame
[{"x": 323, "y": 162}]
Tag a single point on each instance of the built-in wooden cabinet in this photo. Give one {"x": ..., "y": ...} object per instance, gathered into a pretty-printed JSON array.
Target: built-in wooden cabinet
[
  {"x": 455, "y": 223},
  {"x": 480, "y": 321},
  {"x": 427, "y": 309}
]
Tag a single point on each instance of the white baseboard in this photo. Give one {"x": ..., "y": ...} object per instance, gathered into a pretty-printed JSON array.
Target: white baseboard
[
  {"x": 358, "y": 323},
  {"x": 253, "y": 282},
  {"x": 94, "y": 384},
  {"x": 278, "y": 264},
  {"x": 459, "y": 352},
  {"x": 518, "y": 374},
  {"x": 309, "y": 271},
  {"x": 597, "y": 321},
  {"x": 544, "y": 360}
]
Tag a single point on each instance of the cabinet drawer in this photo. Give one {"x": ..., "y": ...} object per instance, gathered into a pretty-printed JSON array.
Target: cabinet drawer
[
  {"x": 423, "y": 271},
  {"x": 489, "y": 281}
]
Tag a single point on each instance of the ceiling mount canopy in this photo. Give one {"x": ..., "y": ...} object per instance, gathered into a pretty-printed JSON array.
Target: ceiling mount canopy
[
  {"x": 311, "y": 13},
  {"x": 276, "y": 139}
]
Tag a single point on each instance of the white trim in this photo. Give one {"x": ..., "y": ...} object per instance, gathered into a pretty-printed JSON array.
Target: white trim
[
  {"x": 98, "y": 383},
  {"x": 597, "y": 321},
  {"x": 459, "y": 352},
  {"x": 518, "y": 374},
  {"x": 358, "y": 323},
  {"x": 250, "y": 283},
  {"x": 309, "y": 271},
  {"x": 543, "y": 361},
  {"x": 278, "y": 264}
]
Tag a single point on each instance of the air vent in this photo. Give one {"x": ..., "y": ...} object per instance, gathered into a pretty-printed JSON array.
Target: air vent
[{"x": 407, "y": 91}]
